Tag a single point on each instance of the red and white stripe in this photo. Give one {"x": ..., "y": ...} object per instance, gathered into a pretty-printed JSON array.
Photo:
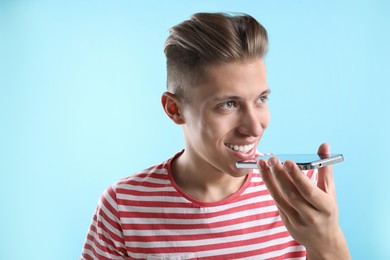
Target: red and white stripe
[{"x": 145, "y": 216}]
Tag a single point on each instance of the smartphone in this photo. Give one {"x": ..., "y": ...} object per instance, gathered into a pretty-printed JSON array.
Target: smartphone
[{"x": 304, "y": 161}]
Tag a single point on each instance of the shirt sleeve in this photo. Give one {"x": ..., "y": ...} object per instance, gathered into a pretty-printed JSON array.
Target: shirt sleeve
[{"x": 105, "y": 236}]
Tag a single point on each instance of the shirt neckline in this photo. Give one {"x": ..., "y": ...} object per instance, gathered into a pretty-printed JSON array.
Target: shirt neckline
[{"x": 199, "y": 203}]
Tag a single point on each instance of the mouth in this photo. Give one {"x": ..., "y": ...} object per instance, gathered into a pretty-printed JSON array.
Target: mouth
[{"x": 241, "y": 148}]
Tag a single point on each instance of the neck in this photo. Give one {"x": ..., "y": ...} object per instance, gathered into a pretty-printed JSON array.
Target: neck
[{"x": 203, "y": 182}]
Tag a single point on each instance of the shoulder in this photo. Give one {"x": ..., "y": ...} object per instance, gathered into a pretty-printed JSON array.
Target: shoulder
[
  {"x": 146, "y": 177},
  {"x": 150, "y": 177},
  {"x": 148, "y": 181},
  {"x": 143, "y": 182},
  {"x": 155, "y": 172}
]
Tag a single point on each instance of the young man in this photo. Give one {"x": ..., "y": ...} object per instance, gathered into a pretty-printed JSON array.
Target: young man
[{"x": 198, "y": 205}]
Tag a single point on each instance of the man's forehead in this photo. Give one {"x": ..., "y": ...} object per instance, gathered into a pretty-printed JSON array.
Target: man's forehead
[{"x": 234, "y": 80}]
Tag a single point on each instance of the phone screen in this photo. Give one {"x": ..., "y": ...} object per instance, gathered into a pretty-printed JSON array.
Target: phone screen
[
  {"x": 297, "y": 158},
  {"x": 304, "y": 161}
]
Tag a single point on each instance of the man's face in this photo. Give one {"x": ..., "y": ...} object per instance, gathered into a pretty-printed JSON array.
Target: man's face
[{"x": 226, "y": 117}]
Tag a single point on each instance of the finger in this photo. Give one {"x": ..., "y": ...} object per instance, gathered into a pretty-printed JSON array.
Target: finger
[
  {"x": 324, "y": 149},
  {"x": 325, "y": 174},
  {"x": 269, "y": 179},
  {"x": 273, "y": 186},
  {"x": 306, "y": 188},
  {"x": 292, "y": 201}
]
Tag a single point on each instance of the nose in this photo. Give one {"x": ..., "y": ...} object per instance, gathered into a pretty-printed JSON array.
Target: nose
[{"x": 250, "y": 123}]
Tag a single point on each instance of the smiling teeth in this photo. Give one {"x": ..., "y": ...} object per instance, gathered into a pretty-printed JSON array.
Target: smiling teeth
[{"x": 241, "y": 148}]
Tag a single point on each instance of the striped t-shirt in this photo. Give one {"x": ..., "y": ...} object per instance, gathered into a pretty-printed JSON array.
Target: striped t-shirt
[{"x": 147, "y": 216}]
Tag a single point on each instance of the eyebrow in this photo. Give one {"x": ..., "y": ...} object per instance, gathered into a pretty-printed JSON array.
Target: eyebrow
[{"x": 266, "y": 92}]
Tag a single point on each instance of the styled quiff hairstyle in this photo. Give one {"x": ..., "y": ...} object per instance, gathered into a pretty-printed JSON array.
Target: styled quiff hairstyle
[{"x": 209, "y": 39}]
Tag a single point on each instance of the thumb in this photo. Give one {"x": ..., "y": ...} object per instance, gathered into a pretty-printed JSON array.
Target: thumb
[{"x": 325, "y": 174}]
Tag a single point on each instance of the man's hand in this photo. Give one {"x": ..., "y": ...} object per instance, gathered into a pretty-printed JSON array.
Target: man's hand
[{"x": 309, "y": 212}]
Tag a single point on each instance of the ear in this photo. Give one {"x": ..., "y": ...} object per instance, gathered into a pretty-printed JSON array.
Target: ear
[{"x": 172, "y": 107}]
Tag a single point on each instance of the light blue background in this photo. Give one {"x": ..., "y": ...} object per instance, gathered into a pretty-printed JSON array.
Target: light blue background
[{"x": 80, "y": 86}]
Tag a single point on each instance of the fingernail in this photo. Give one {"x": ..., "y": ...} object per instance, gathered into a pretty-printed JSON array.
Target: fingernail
[
  {"x": 262, "y": 164},
  {"x": 272, "y": 161},
  {"x": 288, "y": 167}
]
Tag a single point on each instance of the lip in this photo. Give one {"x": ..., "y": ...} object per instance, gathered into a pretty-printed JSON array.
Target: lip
[
  {"x": 243, "y": 142},
  {"x": 239, "y": 156}
]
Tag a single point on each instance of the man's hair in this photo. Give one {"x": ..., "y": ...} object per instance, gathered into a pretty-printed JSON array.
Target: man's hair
[{"x": 210, "y": 39}]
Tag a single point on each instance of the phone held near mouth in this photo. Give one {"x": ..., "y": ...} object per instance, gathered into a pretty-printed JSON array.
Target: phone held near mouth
[{"x": 304, "y": 161}]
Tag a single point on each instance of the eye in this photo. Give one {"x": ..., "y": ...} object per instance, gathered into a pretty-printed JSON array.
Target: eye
[
  {"x": 227, "y": 105},
  {"x": 262, "y": 99}
]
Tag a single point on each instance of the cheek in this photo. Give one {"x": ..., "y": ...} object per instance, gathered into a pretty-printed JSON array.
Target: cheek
[
  {"x": 211, "y": 126},
  {"x": 221, "y": 126},
  {"x": 265, "y": 118},
  {"x": 203, "y": 129}
]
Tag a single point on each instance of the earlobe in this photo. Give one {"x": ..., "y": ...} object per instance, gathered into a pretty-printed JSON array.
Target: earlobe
[{"x": 171, "y": 107}]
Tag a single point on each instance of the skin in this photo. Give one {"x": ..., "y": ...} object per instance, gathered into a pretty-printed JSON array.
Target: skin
[
  {"x": 308, "y": 211},
  {"x": 231, "y": 108}
]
